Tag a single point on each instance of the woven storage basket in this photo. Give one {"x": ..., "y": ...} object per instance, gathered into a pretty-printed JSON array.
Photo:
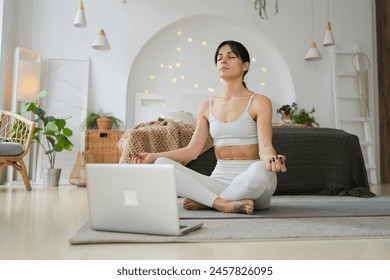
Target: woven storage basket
[
  {"x": 103, "y": 145},
  {"x": 77, "y": 175}
]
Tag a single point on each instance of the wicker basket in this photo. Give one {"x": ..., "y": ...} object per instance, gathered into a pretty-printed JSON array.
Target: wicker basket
[
  {"x": 77, "y": 175},
  {"x": 103, "y": 145}
]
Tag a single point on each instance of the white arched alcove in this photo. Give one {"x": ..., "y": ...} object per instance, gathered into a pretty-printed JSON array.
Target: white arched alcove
[{"x": 179, "y": 59}]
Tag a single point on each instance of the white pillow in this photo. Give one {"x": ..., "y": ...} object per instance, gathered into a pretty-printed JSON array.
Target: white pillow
[{"x": 185, "y": 117}]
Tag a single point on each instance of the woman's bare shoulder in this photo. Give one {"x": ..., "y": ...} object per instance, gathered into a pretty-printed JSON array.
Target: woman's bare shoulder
[
  {"x": 204, "y": 108},
  {"x": 261, "y": 99},
  {"x": 205, "y": 104}
]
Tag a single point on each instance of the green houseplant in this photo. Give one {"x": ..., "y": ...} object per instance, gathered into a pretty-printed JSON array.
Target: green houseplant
[
  {"x": 304, "y": 117},
  {"x": 261, "y": 5},
  {"x": 101, "y": 120},
  {"x": 52, "y": 135}
]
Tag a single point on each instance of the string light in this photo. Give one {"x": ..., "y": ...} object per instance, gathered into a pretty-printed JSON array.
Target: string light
[{"x": 180, "y": 77}]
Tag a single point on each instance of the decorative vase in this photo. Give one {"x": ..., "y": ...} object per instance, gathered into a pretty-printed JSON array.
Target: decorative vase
[
  {"x": 51, "y": 177},
  {"x": 104, "y": 123},
  {"x": 286, "y": 118}
]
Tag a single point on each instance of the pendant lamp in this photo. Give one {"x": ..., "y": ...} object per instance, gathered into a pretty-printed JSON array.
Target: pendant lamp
[
  {"x": 313, "y": 52},
  {"x": 328, "y": 38},
  {"x": 101, "y": 42},
  {"x": 80, "y": 20}
]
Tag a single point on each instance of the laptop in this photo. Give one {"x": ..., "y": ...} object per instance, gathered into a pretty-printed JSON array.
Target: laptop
[{"x": 135, "y": 198}]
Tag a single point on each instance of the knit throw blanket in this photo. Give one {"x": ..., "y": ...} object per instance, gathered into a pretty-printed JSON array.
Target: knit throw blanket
[{"x": 157, "y": 136}]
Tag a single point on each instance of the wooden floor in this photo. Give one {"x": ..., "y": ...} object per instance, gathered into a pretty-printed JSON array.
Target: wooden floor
[{"x": 38, "y": 225}]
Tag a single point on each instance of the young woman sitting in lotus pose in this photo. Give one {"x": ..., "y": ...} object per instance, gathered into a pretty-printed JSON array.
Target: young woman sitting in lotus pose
[{"x": 240, "y": 123}]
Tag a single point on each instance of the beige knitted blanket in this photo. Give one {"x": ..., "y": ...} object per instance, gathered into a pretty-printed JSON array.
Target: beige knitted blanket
[{"x": 157, "y": 136}]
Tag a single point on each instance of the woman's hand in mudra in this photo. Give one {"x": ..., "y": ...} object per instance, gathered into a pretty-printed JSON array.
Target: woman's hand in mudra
[
  {"x": 142, "y": 158},
  {"x": 276, "y": 163}
]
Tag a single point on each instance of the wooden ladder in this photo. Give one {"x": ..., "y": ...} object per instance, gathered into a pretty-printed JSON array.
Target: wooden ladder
[{"x": 348, "y": 115}]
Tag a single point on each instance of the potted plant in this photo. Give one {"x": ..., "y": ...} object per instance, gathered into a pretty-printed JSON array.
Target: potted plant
[
  {"x": 304, "y": 117},
  {"x": 53, "y": 136},
  {"x": 287, "y": 111},
  {"x": 261, "y": 5},
  {"x": 101, "y": 121}
]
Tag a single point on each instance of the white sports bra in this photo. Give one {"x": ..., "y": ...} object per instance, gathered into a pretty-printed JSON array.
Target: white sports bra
[{"x": 242, "y": 131}]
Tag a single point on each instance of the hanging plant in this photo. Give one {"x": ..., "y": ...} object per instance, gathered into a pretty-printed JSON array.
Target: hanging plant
[{"x": 261, "y": 5}]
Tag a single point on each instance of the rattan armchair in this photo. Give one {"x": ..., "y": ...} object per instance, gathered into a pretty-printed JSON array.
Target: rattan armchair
[{"x": 16, "y": 133}]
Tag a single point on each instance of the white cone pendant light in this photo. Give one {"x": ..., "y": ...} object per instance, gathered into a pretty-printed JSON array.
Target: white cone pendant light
[
  {"x": 80, "y": 20},
  {"x": 101, "y": 42},
  {"x": 313, "y": 53},
  {"x": 328, "y": 38}
]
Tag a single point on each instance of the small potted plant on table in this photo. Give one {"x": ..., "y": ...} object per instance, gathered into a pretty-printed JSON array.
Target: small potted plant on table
[
  {"x": 102, "y": 121},
  {"x": 304, "y": 117},
  {"x": 287, "y": 111}
]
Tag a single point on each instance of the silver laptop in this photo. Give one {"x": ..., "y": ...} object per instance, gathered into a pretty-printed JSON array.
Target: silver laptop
[{"x": 135, "y": 198}]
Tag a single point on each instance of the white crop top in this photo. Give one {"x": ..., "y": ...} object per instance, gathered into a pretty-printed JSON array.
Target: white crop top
[{"x": 242, "y": 131}]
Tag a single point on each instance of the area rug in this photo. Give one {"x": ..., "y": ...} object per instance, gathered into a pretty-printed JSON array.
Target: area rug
[
  {"x": 252, "y": 230},
  {"x": 289, "y": 217}
]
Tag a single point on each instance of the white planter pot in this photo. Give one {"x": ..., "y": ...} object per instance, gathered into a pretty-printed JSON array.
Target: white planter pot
[{"x": 51, "y": 177}]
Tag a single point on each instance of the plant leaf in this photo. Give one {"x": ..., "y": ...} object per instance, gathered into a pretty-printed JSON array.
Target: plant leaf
[
  {"x": 67, "y": 132},
  {"x": 42, "y": 94}
]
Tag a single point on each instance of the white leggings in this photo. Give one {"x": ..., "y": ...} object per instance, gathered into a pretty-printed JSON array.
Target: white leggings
[{"x": 230, "y": 180}]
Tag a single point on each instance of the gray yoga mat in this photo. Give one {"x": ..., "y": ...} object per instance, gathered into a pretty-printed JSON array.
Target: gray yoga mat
[{"x": 304, "y": 206}]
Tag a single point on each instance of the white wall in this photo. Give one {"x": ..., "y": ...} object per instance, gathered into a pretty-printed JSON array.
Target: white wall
[
  {"x": 192, "y": 69},
  {"x": 130, "y": 26},
  {"x": 46, "y": 25}
]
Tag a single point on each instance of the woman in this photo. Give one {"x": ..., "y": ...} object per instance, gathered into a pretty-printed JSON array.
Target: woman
[{"x": 240, "y": 123}]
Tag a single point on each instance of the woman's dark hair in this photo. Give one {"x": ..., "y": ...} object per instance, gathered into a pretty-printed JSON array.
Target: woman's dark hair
[{"x": 238, "y": 49}]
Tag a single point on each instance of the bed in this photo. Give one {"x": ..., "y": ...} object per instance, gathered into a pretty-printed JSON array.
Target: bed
[{"x": 320, "y": 161}]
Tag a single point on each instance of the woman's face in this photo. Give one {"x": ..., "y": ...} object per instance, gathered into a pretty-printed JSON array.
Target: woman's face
[{"x": 229, "y": 65}]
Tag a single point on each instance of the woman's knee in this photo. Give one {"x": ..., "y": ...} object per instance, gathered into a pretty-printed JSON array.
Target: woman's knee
[
  {"x": 260, "y": 174},
  {"x": 163, "y": 160}
]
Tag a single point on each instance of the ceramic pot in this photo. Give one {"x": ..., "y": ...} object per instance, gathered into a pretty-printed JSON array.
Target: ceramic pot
[
  {"x": 51, "y": 177},
  {"x": 286, "y": 118},
  {"x": 104, "y": 123}
]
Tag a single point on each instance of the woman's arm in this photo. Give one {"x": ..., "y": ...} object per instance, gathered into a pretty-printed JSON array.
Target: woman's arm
[
  {"x": 267, "y": 153},
  {"x": 193, "y": 149}
]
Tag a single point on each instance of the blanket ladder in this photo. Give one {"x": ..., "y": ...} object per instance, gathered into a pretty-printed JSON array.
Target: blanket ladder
[{"x": 349, "y": 70}]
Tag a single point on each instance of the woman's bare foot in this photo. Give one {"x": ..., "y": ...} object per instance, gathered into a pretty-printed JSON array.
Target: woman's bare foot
[
  {"x": 190, "y": 204},
  {"x": 237, "y": 206}
]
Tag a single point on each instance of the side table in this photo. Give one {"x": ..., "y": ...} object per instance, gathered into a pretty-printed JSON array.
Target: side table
[{"x": 103, "y": 145}]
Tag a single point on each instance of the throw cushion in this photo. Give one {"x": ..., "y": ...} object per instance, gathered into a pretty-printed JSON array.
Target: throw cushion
[{"x": 10, "y": 149}]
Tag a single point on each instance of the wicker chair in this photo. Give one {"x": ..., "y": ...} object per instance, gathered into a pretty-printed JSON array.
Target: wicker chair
[{"x": 16, "y": 133}]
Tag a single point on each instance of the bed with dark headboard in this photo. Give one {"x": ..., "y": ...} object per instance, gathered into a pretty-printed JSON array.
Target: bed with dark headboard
[{"x": 320, "y": 161}]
